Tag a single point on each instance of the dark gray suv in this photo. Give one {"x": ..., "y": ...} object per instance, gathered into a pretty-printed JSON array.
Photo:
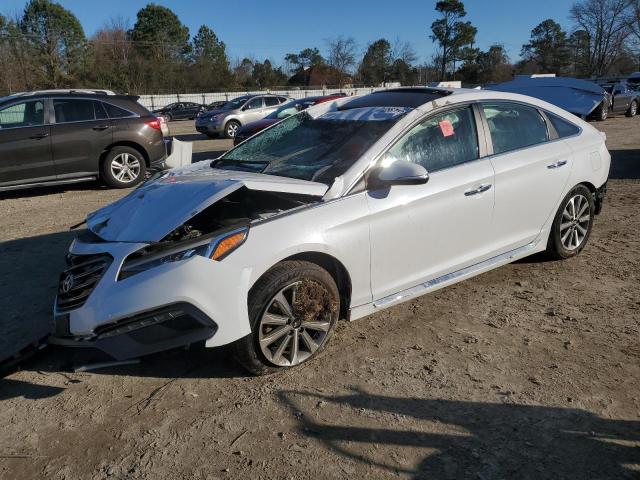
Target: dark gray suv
[{"x": 65, "y": 136}]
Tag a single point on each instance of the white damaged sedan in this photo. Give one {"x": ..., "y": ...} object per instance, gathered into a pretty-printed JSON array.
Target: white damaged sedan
[{"x": 337, "y": 212}]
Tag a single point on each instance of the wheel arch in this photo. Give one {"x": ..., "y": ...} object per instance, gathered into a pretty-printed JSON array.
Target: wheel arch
[
  {"x": 336, "y": 269},
  {"x": 125, "y": 143}
]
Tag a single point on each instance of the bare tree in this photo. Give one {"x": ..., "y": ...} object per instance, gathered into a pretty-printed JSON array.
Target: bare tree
[
  {"x": 403, "y": 51},
  {"x": 342, "y": 56},
  {"x": 607, "y": 24}
]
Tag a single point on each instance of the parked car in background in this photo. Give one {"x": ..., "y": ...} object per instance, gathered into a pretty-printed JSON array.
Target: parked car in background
[
  {"x": 286, "y": 110},
  {"x": 623, "y": 99},
  {"x": 214, "y": 105},
  {"x": 180, "y": 111},
  {"x": 227, "y": 119},
  {"x": 339, "y": 211},
  {"x": 66, "y": 136}
]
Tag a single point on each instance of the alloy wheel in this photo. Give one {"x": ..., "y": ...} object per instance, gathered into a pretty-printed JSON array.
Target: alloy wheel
[
  {"x": 232, "y": 129},
  {"x": 286, "y": 335},
  {"x": 575, "y": 222},
  {"x": 125, "y": 167}
]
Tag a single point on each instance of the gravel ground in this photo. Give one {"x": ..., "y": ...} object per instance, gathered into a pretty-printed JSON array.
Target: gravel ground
[{"x": 529, "y": 371}]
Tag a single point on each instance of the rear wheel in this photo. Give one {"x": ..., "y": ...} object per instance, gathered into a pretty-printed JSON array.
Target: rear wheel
[
  {"x": 633, "y": 109},
  {"x": 602, "y": 112},
  {"x": 293, "y": 309},
  {"x": 572, "y": 224},
  {"x": 123, "y": 167},
  {"x": 231, "y": 128}
]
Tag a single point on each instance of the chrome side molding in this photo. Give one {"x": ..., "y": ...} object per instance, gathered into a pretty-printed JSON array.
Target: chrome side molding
[{"x": 423, "y": 288}]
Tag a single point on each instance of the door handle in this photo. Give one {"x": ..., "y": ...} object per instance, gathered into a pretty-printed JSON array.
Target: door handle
[
  {"x": 558, "y": 164},
  {"x": 100, "y": 127},
  {"x": 39, "y": 136},
  {"x": 477, "y": 190}
]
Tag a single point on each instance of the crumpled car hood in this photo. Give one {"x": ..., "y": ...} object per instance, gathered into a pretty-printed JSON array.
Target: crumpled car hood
[{"x": 155, "y": 209}]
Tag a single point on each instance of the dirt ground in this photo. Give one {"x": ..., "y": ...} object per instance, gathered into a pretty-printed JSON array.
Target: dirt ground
[{"x": 530, "y": 371}]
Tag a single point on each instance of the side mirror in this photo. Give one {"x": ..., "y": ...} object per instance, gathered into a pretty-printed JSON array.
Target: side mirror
[{"x": 399, "y": 172}]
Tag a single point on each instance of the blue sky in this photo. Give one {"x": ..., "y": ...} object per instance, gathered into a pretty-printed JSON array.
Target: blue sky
[{"x": 272, "y": 28}]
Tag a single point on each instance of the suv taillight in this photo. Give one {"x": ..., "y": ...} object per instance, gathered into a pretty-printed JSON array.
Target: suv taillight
[{"x": 155, "y": 123}]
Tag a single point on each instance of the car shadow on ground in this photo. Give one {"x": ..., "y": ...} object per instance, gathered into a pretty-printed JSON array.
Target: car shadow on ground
[
  {"x": 625, "y": 164},
  {"x": 469, "y": 439},
  {"x": 208, "y": 155},
  {"x": 94, "y": 185},
  {"x": 191, "y": 137}
]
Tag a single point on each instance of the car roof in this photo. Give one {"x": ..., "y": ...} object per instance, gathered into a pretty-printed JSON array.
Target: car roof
[{"x": 410, "y": 97}]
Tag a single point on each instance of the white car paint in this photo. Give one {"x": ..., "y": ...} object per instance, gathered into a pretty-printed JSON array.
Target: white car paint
[{"x": 415, "y": 239}]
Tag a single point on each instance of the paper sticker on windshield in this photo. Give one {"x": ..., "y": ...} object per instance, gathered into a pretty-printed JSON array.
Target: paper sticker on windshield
[
  {"x": 367, "y": 114},
  {"x": 446, "y": 128}
]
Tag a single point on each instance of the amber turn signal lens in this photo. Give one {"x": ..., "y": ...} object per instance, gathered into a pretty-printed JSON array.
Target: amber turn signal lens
[{"x": 228, "y": 245}]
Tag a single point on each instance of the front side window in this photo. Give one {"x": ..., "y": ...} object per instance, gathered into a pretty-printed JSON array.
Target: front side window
[
  {"x": 254, "y": 104},
  {"x": 312, "y": 148},
  {"x": 443, "y": 141},
  {"x": 513, "y": 126},
  {"x": 25, "y": 114},
  {"x": 73, "y": 110}
]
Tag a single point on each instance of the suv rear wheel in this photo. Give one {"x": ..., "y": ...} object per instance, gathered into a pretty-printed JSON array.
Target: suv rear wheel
[{"x": 123, "y": 167}]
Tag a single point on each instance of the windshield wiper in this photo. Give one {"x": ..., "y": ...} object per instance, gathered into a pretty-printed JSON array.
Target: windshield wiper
[{"x": 216, "y": 163}]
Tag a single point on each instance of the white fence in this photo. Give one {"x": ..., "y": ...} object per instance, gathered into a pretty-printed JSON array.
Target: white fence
[{"x": 158, "y": 101}]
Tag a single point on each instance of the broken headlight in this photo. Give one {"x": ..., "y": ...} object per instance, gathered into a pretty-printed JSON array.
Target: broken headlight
[{"x": 215, "y": 249}]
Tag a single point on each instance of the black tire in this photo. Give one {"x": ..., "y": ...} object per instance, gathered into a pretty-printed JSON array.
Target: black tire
[
  {"x": 135, "y": 172},
  {"x": 231, "y": 128},
  {"x": 168, "y": 117},
  {"x": 248, "y": 351},
  {"x": 602, "y": 112},
  {"x": 633, "y": 109},
  {"x": 556, "y": 248}
]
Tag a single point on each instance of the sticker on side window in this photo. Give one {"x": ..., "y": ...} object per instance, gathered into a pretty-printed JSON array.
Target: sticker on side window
[{"x": 446, "y": 128}]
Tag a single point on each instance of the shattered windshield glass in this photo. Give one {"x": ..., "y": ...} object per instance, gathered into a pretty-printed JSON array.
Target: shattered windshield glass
[{"x": 317, "y": 149}]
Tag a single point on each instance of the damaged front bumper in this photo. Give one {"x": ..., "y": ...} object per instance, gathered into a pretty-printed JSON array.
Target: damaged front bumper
[{"x": 169, "y": 306}]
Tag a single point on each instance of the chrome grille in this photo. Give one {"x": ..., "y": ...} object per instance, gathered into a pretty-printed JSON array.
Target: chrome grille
[{"x": 79, "y": 280}]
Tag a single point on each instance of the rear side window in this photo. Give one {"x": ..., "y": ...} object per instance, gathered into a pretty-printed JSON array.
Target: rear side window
[
  {"x": 514, "y": 126},
  {"x": 73, "y": 110},
  {"x": 439, "y": 142},
  {"x": 101, "y": 113},
  {"x": 271, "y": 101},
  {"x": 117, "y": 112},
  {"x": 25, "y": 114},
  {"x": 283, "y": 99},
  {"x": 562, "y": 126}
]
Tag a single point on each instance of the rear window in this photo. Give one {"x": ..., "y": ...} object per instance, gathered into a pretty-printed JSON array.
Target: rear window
[
  {"x": 73, "y": 110},
  {"x": 514, "y": 126},
  {"x": 117, "y": 112},
  {"x": 271, "y": 101},
  {"x": 562, "y": 126}
]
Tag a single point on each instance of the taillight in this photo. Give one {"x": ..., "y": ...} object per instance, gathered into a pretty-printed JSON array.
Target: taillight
[{"x": 155, "y": 123}]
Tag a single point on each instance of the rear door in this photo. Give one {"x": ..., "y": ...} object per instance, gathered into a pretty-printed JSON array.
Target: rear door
[
  {"x": 622, "y": 98},
  {"x": 25, "y": 143},
  {"x": 81, "y": 132},
  {"x": 531, "y": 172}
]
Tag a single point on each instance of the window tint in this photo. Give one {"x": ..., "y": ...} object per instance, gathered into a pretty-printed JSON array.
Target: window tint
[
  {"x": 255, "y": 103},
  {"x": 101, "y": 113},
  {"x": 283, "y": 99},
  {"x": 117, "y": 112},
  {"x": 440, "y": 142},
  {"x": 271, "y": 101},
  {"x": 562, "y": 126},
  {"x": 514, "y": 126},
  {"x": 73, "y": 110},
  {"x": 23, "y": 114}
]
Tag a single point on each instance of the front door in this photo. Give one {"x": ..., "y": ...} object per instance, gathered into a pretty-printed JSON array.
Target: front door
[
  {"x": 421, "y": 232},
  {"x": 531, "y": 173},
  {"x": 25, "y": 144},
  {"x": 79, "y": 135},
  {"x": 253, "y": 110}
]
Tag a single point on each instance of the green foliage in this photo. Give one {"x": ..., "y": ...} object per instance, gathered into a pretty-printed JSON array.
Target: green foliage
[
  {"x": 548, "y": 49},
  {"x": 376, "y": 64},
  {"x": 158, "y": 28},
  {"x": 451, "y": 33},
  {"x": 309, "y": 57},
  {"x": 56, "y": 40}
]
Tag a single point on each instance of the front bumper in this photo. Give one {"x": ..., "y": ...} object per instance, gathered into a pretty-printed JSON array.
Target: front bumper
[
  {"x": 598, "y": 198},
  {"x": 120, "y": 316},
  {"x": 210, "y": 128}
]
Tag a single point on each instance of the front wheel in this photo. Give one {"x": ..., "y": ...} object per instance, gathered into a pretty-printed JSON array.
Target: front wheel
[
  {"x": 293, "y": 309},
  {"x": 231, "y": 129},
  {"x": 633, "y": 109},
  {"x": 572, "y": 224},
  {"x": 602, "y": 112},
  {"x": 123, "y": 167}
]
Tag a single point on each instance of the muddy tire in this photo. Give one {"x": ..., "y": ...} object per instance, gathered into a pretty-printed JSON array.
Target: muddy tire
[
  {"x": 231, "y": 128},
  {"x": 633, "y": 109},
  {"x": 293, "y": 310},
  {"x": 123, "y": 167},
  {"x": 572, "y": 224}
]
